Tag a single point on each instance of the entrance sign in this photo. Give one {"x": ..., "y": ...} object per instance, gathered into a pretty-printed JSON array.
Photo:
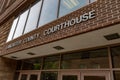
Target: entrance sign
[{"x": 69, "y": 23}]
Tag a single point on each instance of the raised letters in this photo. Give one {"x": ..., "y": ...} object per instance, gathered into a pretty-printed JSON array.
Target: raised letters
[{"x": 71, "y": 22}]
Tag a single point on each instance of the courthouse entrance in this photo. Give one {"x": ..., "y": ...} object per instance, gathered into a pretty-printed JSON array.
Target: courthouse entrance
[
  {"x": 28, "y": 75},
  {"x": 66, "y": 75},
  {"x": 93, "y": 64},
  {"x": 85, "y": 75}
]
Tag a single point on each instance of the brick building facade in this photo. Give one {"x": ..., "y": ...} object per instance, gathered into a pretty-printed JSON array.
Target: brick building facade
[{"x": 94, "y": 26}]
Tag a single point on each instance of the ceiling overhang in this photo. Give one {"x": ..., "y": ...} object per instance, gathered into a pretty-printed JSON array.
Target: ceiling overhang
[{"x": 87, "y": 40}]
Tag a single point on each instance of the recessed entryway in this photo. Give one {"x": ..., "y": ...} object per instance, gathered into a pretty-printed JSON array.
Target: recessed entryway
[
  {"x": 65, "y": 75},
  {"x": 84, "y": 75},
  {"x": 29, "y": 75}
]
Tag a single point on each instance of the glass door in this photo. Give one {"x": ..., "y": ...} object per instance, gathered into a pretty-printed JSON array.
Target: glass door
[
  {"x": 97, "y": 75},
  {"x": 23, "y": 77},
  {"x": 69, "y": 75},
  {"x": 29, "y": 76},
  {"x": 84, "y": 75},
  {"x": 33, "y": 77}
]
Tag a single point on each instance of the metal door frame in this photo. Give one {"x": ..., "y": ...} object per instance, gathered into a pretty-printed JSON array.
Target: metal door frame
[
  {"x": 28, "y": 73},
  {"x": 81, "y": 74}
]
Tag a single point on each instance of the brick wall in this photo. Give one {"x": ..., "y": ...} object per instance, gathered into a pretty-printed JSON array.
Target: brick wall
[
  {"x": 7, "y": 69},
  {"x": 4, "y": 4},
  {"x": 4, "y": 31},
  {"x": 13, "y": 8},
  {"x": 107, "y": 13},
  {"x": 7, "y": 66}
]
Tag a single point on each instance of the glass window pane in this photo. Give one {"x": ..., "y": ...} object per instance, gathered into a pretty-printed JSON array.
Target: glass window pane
[
  {"x": 67, "y": 6},
  {"x": 33, "y": 17},
  {"x": 12, "y": 29},
  {"x": 92, "y": 1},
  {"x": 94, "y": 78},
  {"x": 33, "y": 77},
  {"x": 116, "y": 56},
  {"x": 51, "y": 62},
  {"x": 21, "y": 24},
  {"x": 49, "y": 76},
  {"x": 88, "y": 59},
  {"x": 19, "y": 64},
  {"x": 49, "y": 11},
  {"x": 69, "y": 77},
  {"x": 117, "y": 75},
  {"x": 32, "y": 64},
  {"x": 23, "y": 77}
]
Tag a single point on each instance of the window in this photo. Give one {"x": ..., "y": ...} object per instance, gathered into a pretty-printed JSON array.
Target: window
[
  {"x": 117, "y": 75},
  {"x": 32, "y": 64},
  {"x": 49, "y": 11},
  {"x": 41, "y": 13},
  {"x": 33, "y": 77},
  {"x": 93, "y": 59},
  {"x": 21, "y": 24},
  {"x": 51, "y": 62},
  {"x": 12, "y": 30},
  {"x": 23, "y": 77},
  {"x": 49, "y": 76},
  {"x": 94, "y": 77},
  {"x": 19, "y": 64},
  {"x": 116, "y": 56},
  {"x": 92, "y": 1},
  {"x": 67, "y": 6},
  {"x": 33, "y": 17},
  {"x": 69, "y": 77}
]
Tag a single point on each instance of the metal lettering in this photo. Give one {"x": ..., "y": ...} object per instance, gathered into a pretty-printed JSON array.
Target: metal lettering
[
  {"x": 85, "y": 17},
  {"x": 92, "y": 14},
  {"x": 72, "y": 22},
  {"x": 63, "y": 25},
  {"x": 66, "y": 24}
]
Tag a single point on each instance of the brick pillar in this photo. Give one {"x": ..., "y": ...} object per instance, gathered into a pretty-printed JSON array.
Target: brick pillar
[{"x": 7, "y": 68}]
